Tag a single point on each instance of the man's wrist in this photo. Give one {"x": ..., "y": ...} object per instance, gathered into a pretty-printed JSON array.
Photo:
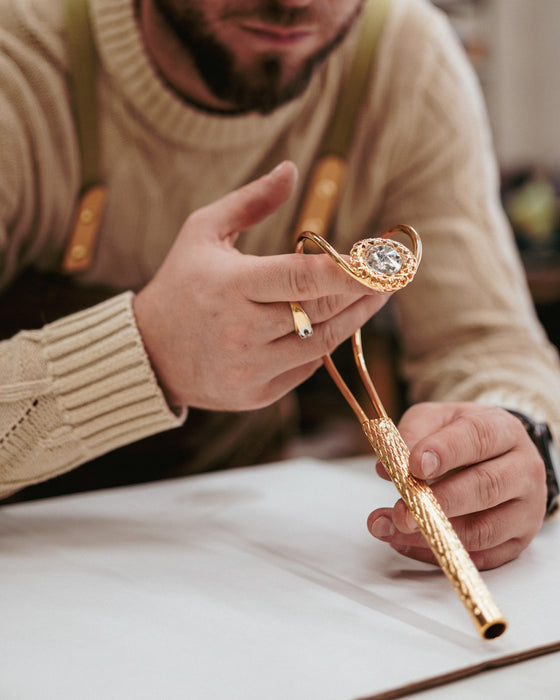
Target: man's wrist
[{"x": 542, "y": 439}]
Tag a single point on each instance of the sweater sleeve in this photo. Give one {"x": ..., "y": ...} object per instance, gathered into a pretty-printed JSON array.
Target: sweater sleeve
[
  {"x": 83, "y": 385},
  {"x": 73, "y": 390}
]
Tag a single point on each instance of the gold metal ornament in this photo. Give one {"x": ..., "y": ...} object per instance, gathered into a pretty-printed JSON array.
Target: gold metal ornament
[
  {"x": 378, "y": 263},
  {"x": 302, "y": 324},
  {"x": 383, "y": 272}
]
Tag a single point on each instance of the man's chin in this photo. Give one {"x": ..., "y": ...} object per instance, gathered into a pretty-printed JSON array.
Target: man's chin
[{"x": 261, "y": 90}]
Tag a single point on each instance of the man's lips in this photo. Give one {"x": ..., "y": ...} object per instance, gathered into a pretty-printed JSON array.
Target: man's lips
[{"x": 275, "y": 34}]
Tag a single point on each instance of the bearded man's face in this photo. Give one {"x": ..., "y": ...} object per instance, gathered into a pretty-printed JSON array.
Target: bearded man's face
[{"x": 258, "y": 54}]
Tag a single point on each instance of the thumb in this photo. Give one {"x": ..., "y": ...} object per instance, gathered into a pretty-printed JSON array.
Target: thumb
[{"x": 251, "y": 203}]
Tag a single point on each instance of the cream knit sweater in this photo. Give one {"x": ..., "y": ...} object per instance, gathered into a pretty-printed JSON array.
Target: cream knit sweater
[{"x": 421, "y": 155}]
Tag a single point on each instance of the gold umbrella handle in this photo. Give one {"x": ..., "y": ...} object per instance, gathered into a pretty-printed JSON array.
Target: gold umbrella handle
[
  {"x": 452, "y": 557},
  {"x": 380, "y": 263}
]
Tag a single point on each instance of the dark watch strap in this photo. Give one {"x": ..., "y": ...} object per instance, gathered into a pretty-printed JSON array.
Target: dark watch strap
[{"x": 542, "y": 438}]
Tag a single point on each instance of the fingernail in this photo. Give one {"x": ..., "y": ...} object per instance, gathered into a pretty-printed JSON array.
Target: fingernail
[
  {"x": 411, "y": 523},
  {"x": 430, "y": 464},
  {"x": 277, "y": 168},
  {"x": 382, "y": 528}
]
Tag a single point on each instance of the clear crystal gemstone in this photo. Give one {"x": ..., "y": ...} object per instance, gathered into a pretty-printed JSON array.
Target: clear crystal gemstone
[{"x": 383, "y": 259}]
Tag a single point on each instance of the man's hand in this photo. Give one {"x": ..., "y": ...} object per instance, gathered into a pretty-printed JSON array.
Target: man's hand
[
  {"x": 216, "y": 324},
  {"x": 485, "y": 472}
]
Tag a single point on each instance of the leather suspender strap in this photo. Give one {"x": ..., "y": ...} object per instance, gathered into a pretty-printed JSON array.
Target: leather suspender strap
[
  {"x": 83, "y": 95},
  {"x": 328, "y": 174}
]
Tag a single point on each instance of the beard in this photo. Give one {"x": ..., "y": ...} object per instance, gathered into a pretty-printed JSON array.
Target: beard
[{"x": 261, "y": 87}]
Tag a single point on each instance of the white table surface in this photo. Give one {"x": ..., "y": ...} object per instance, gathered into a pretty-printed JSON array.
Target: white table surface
[{"x": 252, "y": 583}]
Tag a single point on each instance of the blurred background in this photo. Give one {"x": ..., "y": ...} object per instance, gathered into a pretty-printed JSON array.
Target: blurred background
[{"x": 514, "y": 48}]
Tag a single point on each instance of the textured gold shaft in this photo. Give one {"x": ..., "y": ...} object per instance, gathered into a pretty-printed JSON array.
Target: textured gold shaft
[{"x": 434, "y": 524}]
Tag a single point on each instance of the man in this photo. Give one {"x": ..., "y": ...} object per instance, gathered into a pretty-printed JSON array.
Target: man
[{"x": 198, "y": 98}]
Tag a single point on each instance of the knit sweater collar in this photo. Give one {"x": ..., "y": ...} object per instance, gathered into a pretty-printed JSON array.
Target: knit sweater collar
[{"x": 124, "y": 58}]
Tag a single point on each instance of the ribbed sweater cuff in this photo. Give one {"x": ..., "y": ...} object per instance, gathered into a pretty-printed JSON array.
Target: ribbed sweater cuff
[{"x": 102, "y": 377}]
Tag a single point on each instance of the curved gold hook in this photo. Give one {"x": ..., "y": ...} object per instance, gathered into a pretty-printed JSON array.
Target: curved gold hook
[{"x": 380, "y": 264}]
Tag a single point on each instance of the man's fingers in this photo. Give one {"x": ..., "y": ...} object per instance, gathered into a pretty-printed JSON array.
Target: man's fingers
[
  {"x": 276, "y": 320},
  {"x": 488, "y": 559},
  {"x": 486, "y": 474},
  {"x": 469, "y": 437},
  {"x": 473, "y": 489},
  {"x": 283, "y": 383},
  {"x": 490, "y": 536},
  {"x": 478, "y": 489},
  {"x": 485, "y": 486},
  {"x": 247, "y": 206},
  {"x": 296, "y": 277},
  {"x": 326, "y": 336}
]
